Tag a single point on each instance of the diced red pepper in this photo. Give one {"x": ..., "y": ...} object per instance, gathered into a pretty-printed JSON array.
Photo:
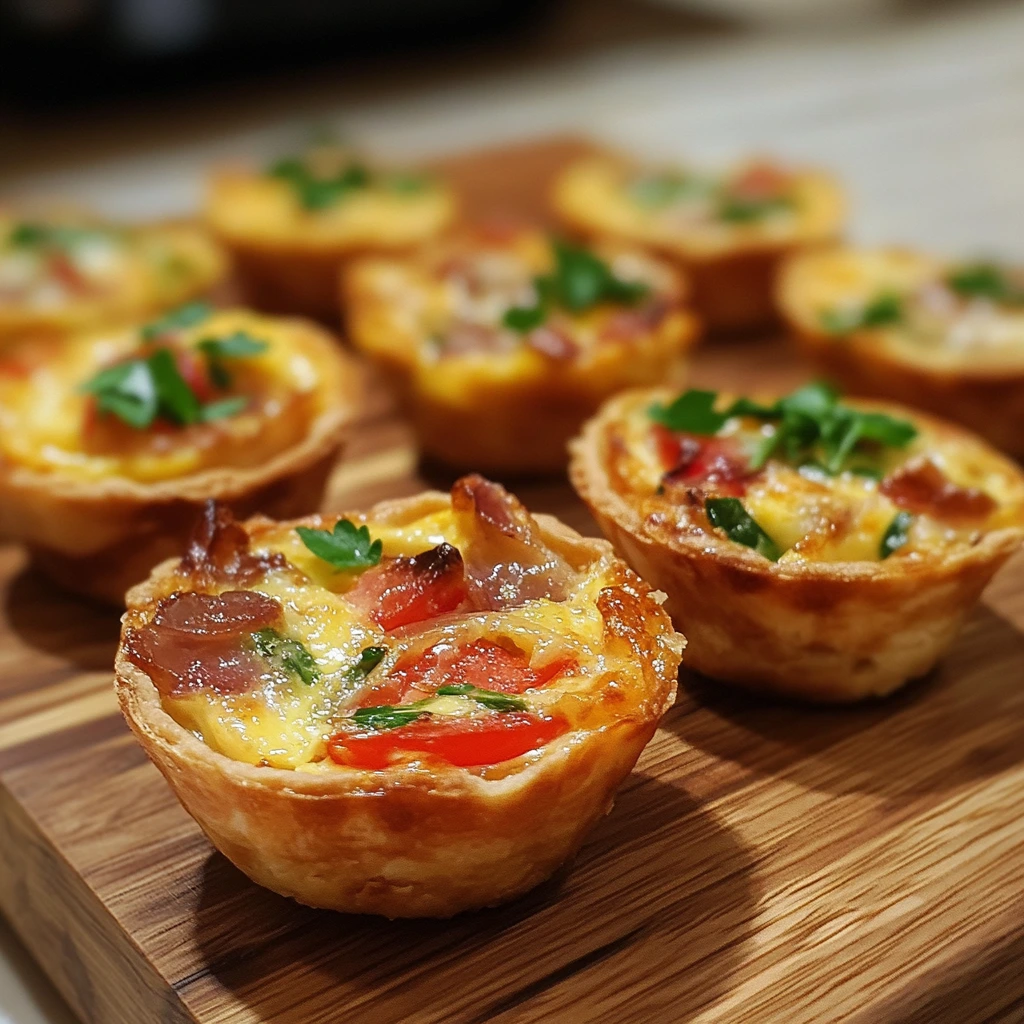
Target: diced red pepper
[{"x": 464, "y": 742}]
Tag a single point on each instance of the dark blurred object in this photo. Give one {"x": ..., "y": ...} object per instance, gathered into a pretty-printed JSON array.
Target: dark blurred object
[{"x": 58, "y": 53}]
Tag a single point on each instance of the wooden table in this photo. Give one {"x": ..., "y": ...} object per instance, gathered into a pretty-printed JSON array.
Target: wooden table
[{"x": 924, "y": 117}]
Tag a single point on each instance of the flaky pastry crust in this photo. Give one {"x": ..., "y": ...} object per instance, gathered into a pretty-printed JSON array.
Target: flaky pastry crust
[
  {"x": 733, "y": 275},
  {"x": 98, "y": 537},
  {"x": 985, "y": 395},
  {"x": 829, "y": 632},
  {"x": 425, "y": 839},
  {"x": 508, "y": 412}
]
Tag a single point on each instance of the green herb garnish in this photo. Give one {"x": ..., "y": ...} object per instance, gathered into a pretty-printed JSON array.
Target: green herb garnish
[
  {"x": 737, "y": 210},
  {"x": 286, "y": 655},
  {"x": 223, "y": 409},
  {"x": 369, "y": 658},
  {"x": 347, "y": 547},
  {"x": 316, "y": 192},
  {"x": 985, "y": 280},
  {"x": 896, "y": 534},
  {"x": 31, "y": 235},
  {"x": 386, "y": 716},
  {"x": 239, "y": 345},
  {"x": 812, "y": 427},
  {"x": 189, "y": 315},
  {"x": 579, "y": 281},
  {"x": 656, "y": 190},
  {"x": 729, "y": 515},
  {"x": 881, "y": 311},
  {"x": 491, "y": 699}
]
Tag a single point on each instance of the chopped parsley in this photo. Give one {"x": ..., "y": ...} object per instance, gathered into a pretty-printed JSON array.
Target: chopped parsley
[
  {"x": 579, "y": 281},
  {"x": 897, "y": 534},
  {"x": 34, "y": 235},
  {"x": 239, "y": 345},
  {"x": 286, "y": 655},
  {"x": 812, "y": 427},
  {"x": 657, "y": 190},
  {"x": 882, "y": 311},
  {"x": 348, "y": 547},
  {"x": 985, "y": 280},
  {"x": 739, "y": 210},
  {"x": 386, "y": 716},
  {"x": 491, "y": 699},
  {"x": 369, "y": 658},
  {"x": 189, "y": 315},
  {"x": 317, "y": 192},
  {"x": 729, "y": 515}
]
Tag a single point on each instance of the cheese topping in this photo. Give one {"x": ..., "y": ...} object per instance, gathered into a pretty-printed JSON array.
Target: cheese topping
[
  {"x": 514, "y": 636},
  {"x": 947, "y": 488},
  {"x": 56, "y": 417}
]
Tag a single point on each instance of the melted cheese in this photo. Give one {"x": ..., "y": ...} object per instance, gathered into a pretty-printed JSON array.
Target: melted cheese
[
  {"x": 45, "y": 420},
  {"x": 815, "y": 517},
  {"x": 286, "y": 723}
]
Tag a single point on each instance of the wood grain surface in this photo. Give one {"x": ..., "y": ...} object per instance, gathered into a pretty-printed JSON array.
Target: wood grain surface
[{"x": 765, "y": 862}]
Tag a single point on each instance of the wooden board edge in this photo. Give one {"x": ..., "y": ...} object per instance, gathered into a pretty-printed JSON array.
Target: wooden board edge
[{"x": 72, "y": 935}]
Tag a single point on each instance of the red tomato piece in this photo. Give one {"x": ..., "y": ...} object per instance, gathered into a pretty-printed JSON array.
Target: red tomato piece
[
  {"x": 401, "y": 591},
  {"x": 761, "y": 181},
  {"x": 482, "y": 663},
  {"x": 463, "y": 742},
  {"x": 717, "y": 462}
]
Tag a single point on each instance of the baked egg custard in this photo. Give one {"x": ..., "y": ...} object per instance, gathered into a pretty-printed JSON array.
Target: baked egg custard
[
  {"x": 110, "y": 441},
  {"x": 809, "y": 546},
  {"x": 291, "y": 225},
  {"x": 502, "y": 341},
  {"x": 728, "y": 230},
  {"x": 63, "y": 271},
  {"x": 947, "y": 336},
  {"x": 412, "y": 711}
]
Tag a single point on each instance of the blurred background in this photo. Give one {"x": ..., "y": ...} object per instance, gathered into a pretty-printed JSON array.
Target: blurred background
[{"x": 122, "y": 104}]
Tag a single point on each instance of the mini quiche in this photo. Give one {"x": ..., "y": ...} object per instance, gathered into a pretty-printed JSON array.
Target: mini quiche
[
  {"x": 291, "y": 226},
  {"x": 502, "y": 341},
  {"x": 808, "y": 546},
  {"x": 111, "y": 441},
  {"x": 945, "y": 336},
  {"x": 729, "y": 231},
  {"x": 63, "y": 271},
  {"x": 411, "y": 712}
]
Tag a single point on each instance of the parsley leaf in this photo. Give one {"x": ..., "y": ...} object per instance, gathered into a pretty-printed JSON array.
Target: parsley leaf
[
  {"x": 223, "y": 409},
  {"x": 386, "y": 716},
  {"x": 348, "y": 547},
  {"x": 692, "y": 412},
  {"x": 883, "y": 310},
  {"x": 31, "y": 235},
  {"x": 579, "y": 281},
  {"x": 656, "y": 190},
  {"x": 239, "y": 345},
  {"x": 315, "y": 192},
  {"x": 491, "y": 699},
  {"x": 985, "y": 280},
  {"x": 189, "y": 315},
  {"x": 287, "y": 655},
  {"x": 737, "y": 210},
  {"x": 729, "y": 515},
  {"x": 897, "y": 534},
  {"x": 369, "y": 658}
]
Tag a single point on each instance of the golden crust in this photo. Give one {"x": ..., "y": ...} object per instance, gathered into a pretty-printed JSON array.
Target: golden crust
[
  {"x": 508, "y": 412},
  {"x": 146, "y": 294},
  {"x": 98, "y": 537},
  {"x": 986, "y": 396},
  {"x": 287, "y": 260},
  {"x": 823, "y": 631},
  {"x": 408, "y": 841},
  {"x": 734, "y": 275}
]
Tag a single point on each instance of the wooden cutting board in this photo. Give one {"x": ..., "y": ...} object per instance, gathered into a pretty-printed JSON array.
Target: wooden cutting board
[{"x": 763, "y": 863}]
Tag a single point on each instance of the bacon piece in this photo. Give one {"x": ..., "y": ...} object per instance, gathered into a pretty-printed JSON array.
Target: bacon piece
[
  {"x": 714, "y": 463},
  {"x": 401, "y": 591},
  {"x": 506, "y": 560},
  {"x": 920, "y": 486},
  {"x": 760, "y": 181},
  {"x": 200, "y": 642},
  {"x": 218, "y": 550},
  {"x": 626, "y": 324},
  {"x": 63, "y": 270},
  {"x": 482, "y": 663},
  {"x": 464, "y": 338}
]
